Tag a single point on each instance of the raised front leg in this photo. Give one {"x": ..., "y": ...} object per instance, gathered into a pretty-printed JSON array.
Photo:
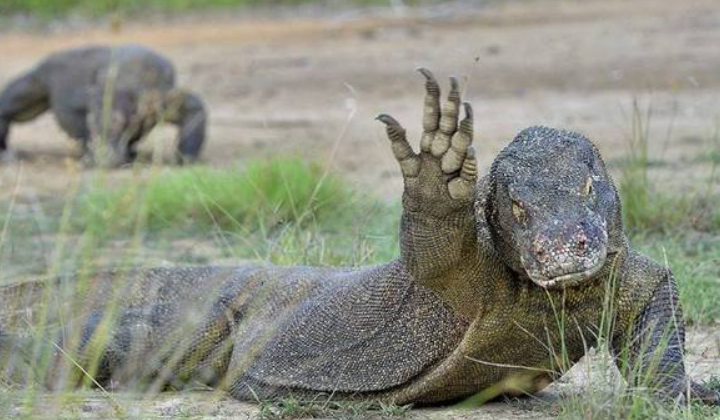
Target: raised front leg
[
  {"x": 438, "y": 227},
  {"x": 651, "y": 354},
  {"x": 186, "y": 110}
]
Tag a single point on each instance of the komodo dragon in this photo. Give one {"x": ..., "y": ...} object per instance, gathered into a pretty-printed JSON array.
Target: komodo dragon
[
  {"x": 500, "y": 286},
  {"x": 114, "y": 94}
]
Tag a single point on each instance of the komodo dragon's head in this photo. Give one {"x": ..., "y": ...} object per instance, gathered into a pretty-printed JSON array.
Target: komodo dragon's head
[
  {"x": 119, "y": 118},
  {"x": 554, "y": 212}
]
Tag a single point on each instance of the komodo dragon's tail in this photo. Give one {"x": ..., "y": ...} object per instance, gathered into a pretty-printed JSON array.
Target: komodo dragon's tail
[{"x": 15, "y": 357}]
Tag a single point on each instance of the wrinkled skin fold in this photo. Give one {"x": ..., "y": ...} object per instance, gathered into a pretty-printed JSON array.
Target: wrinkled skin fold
[{"x": 502, "y": 283}]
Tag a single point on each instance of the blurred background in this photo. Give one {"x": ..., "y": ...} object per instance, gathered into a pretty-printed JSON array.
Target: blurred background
[{"x": 307, "y": 78}]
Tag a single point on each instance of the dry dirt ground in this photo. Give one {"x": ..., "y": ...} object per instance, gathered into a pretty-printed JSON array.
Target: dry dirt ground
[{"x": 311, "y": 86}]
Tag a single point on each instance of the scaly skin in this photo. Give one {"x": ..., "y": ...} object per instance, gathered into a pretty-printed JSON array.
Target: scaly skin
[
  {"x": 501, "y": 285},
  {"x": 108, "y": 98}
]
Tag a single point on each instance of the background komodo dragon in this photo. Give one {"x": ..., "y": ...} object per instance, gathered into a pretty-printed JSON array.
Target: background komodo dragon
[
  {"x": 501, "y": 285},
  {"x": 114, "y": 93}
]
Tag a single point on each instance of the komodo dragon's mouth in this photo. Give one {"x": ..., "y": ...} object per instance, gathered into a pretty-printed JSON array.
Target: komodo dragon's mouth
[{"x": 568, "y": 279}]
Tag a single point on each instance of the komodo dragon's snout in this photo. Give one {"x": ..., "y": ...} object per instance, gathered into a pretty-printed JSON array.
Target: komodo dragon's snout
[{"x": 552, "y": 205}]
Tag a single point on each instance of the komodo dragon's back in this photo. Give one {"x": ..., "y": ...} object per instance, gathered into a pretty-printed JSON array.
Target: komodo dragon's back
[
  {"x": 131, "y": 66},
  {"x": 260, "y": 330}
]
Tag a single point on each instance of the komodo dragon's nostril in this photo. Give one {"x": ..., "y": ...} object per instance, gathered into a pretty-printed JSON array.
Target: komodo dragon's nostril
[
  {"x": 581, "y": 242},
  {"x": 582, "y": 245}
]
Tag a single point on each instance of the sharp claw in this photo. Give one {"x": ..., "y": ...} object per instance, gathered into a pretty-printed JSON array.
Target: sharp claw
[
  {"x": 387, "y": 120},
  {"x": 468, "y": 171},
  {"x": 468, "y": 110},
  {"x": 427, "y": 73}
]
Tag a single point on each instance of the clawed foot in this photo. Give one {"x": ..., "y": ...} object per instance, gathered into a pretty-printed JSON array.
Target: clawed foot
[
  {"x": 441, "y": 178},
  {"x": 704, "y": 394}
]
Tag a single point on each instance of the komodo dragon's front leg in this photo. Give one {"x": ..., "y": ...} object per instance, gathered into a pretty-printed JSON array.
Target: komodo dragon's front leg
[
  {"x": 438, "y": 236},
  {"x": 651, "y": 351},
  {"x": 187, "y": 111},
  {"x": 437, "y": 221}
]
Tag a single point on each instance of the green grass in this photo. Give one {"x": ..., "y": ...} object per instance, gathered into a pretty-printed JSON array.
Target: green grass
[
  {"x": 695, "y": 261},
  {"x": 262, "y": 195},
  {"x": 680, "y": 230},
  {"x": 648, "y": 208},
  {"x": 53, "y": 8},
  {"x": 282, "y": 211}
]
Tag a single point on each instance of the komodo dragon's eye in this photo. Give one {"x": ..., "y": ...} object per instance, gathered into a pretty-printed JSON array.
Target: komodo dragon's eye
[
  {"x": 588, "y": 187},
  {"x": 519, "y": 212}
]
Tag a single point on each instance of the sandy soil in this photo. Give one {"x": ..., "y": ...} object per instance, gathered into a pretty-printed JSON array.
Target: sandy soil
[{"x": 311, "y": 86}]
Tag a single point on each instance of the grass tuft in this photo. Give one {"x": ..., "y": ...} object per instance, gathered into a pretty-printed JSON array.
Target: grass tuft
[
  {"x": 282, "y": 211},
  {"x": 264, "y": 194},
  {"x": 695, "y": 262},
  {"x": 647, "y": 209},
  {"x": 680, "y": 230},
  {"x": 597, "y": 403}
]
